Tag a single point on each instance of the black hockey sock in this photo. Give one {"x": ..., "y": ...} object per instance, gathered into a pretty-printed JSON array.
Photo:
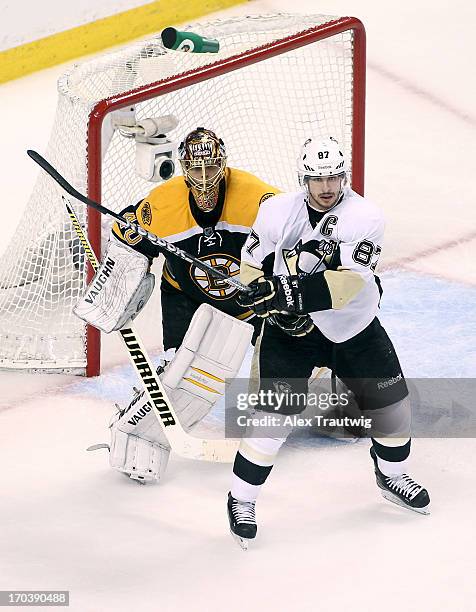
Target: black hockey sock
[
  {"x": 253, "y": 463},
  {"x": 391, "y": 460}
]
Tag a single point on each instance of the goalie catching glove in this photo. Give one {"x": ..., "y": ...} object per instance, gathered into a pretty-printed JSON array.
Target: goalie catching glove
[{"x": 119, "y": 290}]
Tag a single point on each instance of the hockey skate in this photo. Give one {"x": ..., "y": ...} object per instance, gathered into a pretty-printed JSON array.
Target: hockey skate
[
  {"x": 242, "y": 518},
  {"x": 402, "y": 490}
]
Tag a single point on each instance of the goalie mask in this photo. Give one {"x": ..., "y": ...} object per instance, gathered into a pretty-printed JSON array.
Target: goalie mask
[{"x": 203, "y": 159}]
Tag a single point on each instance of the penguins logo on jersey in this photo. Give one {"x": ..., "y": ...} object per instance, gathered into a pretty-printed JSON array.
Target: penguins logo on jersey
[
  {"x": 309, "y": 257},
  {"x": 282, "y": 386},
  {"x": 314, "y": 254},
  {"x": 216, "y": 288},
  {"x": 290, "y": 257}
]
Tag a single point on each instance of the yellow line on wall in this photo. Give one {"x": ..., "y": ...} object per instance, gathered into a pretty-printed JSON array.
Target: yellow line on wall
[{"x": 103, "y": 33}]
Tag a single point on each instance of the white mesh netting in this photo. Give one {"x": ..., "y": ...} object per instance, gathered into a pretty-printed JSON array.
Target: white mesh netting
[{"x": 263, "y": 112}]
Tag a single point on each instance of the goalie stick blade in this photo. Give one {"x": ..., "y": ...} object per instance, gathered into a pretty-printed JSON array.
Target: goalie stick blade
[
  {"x": 218, "y": 451},
  {"x": 180, "y": 441},
  {"x": 201, "y": 449}
]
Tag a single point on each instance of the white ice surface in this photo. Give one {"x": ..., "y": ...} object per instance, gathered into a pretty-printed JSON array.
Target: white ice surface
[{"x": 327, "y": 540}]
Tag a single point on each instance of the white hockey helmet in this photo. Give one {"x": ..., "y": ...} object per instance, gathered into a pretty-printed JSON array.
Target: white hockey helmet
[{"x": 320, "y": 158}]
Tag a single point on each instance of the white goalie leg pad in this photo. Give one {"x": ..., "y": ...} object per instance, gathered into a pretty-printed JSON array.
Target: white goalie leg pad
[
  {"x": 209, "y": 357},
  {"x": 135, "y": 432},
  {"x": 141, "y": 459},
  {"x": 119, "y": 290}
]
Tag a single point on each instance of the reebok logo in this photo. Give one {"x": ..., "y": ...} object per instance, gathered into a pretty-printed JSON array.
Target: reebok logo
[
  {"x": 389, "y": 382},
  {"x": 288, "y": 293}
]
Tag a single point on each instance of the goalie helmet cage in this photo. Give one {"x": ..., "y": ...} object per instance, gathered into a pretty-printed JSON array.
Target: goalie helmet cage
[{"x": 276, "y": 80}]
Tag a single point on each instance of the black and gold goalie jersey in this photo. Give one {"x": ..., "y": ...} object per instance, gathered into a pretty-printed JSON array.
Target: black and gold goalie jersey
[{"x": 216, "y": 237}]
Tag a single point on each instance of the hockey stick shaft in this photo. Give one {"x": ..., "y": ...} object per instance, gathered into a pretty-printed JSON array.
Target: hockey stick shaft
[
  {"x": 180, "y": 441},
  {"x": 160, "y": 242}
]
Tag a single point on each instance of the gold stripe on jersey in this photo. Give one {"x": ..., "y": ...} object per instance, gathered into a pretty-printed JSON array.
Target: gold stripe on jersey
[
  {"x": 245, "y": 315},
  {"x": 249, "y": 273},
  {"x": 256, "y": 456},
  {"x": 166, "y": 210},
  {"x": 343, "y": 285},
  {"x": 169, "y": 278}
]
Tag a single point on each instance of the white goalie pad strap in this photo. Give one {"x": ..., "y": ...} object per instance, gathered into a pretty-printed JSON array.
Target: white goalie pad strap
[
  {"x": 209, "y": 358},
  {"x": 119, "y": 290}
]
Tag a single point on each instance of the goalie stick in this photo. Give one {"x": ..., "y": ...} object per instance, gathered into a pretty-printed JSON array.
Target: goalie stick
[
  {"x": 180, "y": 441},
  {"x": 167, "y": 246}
]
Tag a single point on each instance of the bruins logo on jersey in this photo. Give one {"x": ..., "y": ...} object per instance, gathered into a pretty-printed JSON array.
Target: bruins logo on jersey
[
  {"x": 308, "y": 258},
  {"x": 216, "y": 288},
  {"x": 266, "y": 196},
  {"x": 146, "y": 213}
]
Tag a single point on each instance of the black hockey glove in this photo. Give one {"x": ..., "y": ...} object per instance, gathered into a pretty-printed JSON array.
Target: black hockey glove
[
  {"x": 274, "y": 294},
  {"x": 292, "y": 324}
]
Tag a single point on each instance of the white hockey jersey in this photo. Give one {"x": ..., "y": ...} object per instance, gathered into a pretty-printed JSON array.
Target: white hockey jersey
[{"x": 283, "y": 241}]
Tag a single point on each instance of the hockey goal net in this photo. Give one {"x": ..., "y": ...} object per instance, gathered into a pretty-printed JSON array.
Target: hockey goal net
[{"x": 276, "y": 80}]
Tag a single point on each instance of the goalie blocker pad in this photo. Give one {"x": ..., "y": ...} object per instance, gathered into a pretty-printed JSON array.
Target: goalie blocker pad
[
  {"x": 119, "y": 290},
  {"x": 195, "y": 379}
]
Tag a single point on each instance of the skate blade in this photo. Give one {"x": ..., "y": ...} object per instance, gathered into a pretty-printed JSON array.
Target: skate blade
[
  {"x": 242, "y": 542},
  {"x": 394, "y": 499}
]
